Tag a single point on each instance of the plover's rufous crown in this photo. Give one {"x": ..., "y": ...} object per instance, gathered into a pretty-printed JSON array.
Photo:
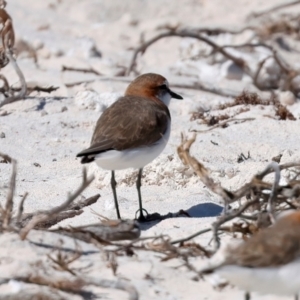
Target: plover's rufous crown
[
  {"x": 133, "y": 131},
  {"x": 267, "y": 263}
]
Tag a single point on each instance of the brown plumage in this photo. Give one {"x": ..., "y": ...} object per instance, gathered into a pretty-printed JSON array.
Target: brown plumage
[
  {"x": 273, "y": 246},
  {"x": 266, "y": 263},
  {"x": 129, "y": 132},
  {"x": 270, "y": 247}
]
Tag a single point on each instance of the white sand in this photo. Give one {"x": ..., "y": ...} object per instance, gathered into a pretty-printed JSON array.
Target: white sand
[{"x": 38, "y": 130}]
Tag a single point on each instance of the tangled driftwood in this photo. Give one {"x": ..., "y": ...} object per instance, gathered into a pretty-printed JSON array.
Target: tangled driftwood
[
  {"x": 268, "y": 34},
  {"x": 7, "y": 35},
  {"x": 101, "y": 233}
]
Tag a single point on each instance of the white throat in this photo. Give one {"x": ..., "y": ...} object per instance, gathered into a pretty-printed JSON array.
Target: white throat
[{"x": 165, "y": 98}]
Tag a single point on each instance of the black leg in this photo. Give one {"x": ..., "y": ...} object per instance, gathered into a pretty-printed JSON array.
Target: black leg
[
  {"x": 247, "y": 296},
  {"x": 297, "y": 297},
  {"x": 138, "y": 186},
  {"x": 113, "y": 186}
]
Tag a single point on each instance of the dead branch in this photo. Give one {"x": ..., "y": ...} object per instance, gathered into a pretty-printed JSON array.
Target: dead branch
[
  {"x": 83, "y": 70},
  {"x": 224, "y": 124},
  {"x": 23, "y": 90},
  {"x": 72, "y": 84},
  {"x": 120, "y": 285},
  {"x": 74, "y": 209},
  {"x": 274, "y": 190},
  {"x": 112, "y": 230},
  {"x": 210, "y": 31},
  {"x": 275, "y": 8},
  {"x": 8, "y": 40},
  {"x": 260, "y": 195},
  {"x": 7, "y": 32},
  {"x": 6, "y": 213},
  {"x": 200, "y": 170},
  {"x": 30, "y": 89},
  {"x": 83, "y": 203},
  {"x": 54, "y": 219},
  {"x": 21, "y": 208},
  {"x": 201, "y": 87},
  {"x": 75, "y": 285},
  {"x": 284, "y": 66},
  {"x": 182, "y": 33},
  {"x": 47, "y": 215},
  {"x": 227, "y": 217},
  {"x": 62, "y": 261},
  {"x": 288, "y": 73},
  {"x": 179, "y": 241},
  {"x": 38, "y": 88},
  {"x": 40, "y": 293}
]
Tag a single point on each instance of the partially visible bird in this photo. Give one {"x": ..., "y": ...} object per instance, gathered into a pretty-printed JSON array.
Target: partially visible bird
[{"x": 267, "y": 263}]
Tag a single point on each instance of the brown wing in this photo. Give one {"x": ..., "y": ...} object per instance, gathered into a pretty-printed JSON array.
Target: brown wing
[
  {"x": 273, "y": 246},
  {"x": 130, "y": 122}
]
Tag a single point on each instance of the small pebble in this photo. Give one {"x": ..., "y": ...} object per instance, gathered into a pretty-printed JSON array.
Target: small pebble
[
  {"x": 64, "y": 108},
  {"x": 37, "y": 164},
  {"x": 2, "y": 135}
]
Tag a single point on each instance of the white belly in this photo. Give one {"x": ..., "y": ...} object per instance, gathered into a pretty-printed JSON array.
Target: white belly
[
  {"x": 283, "y": 280},
  {"x": 133, "y": 158}
]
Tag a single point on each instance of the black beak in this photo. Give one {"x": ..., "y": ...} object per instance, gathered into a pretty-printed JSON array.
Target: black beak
[{"x": 174, "y": 95}]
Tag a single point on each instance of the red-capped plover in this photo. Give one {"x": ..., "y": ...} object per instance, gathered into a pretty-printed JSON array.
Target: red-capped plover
[
  {"x": 267, "y": 263},
  {"x": 133, "y": 131}
]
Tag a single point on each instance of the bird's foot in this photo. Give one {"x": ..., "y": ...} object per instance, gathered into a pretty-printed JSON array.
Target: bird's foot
[
  {"x": 141, "y": 217},
  {"x": 148, "y": 218}
]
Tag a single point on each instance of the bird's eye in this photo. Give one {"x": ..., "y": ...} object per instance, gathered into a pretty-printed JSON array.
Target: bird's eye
[{"x": 163, "y": 86}]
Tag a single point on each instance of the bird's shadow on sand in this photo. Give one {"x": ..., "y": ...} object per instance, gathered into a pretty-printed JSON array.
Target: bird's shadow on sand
[{"x": 201, "y": 210}]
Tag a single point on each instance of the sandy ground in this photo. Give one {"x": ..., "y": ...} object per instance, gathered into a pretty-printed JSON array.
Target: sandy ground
[{"x": 45, "y": 132}]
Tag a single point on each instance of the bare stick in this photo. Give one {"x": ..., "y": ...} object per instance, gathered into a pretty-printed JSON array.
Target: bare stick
[
  {"x": 74, "y": 209},
  {"x": 111, "y": 230},
  {"x": 21, "y": 208},
  {"x": 201, "y": 87},
  {"x": 84, "y": 70},
  {"x": 191, "y": 236},
  {"x": 198, "y": 86},
  {"x": 283, "y": 65},
  {"x": 229, "y": 216},
  {"x": 193, "y": 33},
  {"x": 77, "y": 283},
  {"x": 67, "y": 214},
  {"x": 278, "y": 7},
  {"x": 274, "y": 167},
  {"x": 7, "y": 213},
  {"x": 259, "y": 68},
  {"x": 23, "y": 90},
  {"x": 45, "y": 216},
  {"x": 43, "y": 292},
  {"x": 200, "y": 170},
  {"x": 184, "y": 33},
  {"x": 120, "y": 285},
  {"x": 221, "y": 124},
  {"x": 38, "y": 88}
]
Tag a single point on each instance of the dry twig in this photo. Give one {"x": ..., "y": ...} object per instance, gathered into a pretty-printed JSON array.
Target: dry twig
[
  {"x": 8, "y": 40},
  {"x": 75, "y": 284},
  {"x": 6, "y": 213},
  {"x": 275, "y": 8},
  {"x": 47, "y": 215},
  {"x": 287, "y": 74},
  {"x": 274, "y": 201}
]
